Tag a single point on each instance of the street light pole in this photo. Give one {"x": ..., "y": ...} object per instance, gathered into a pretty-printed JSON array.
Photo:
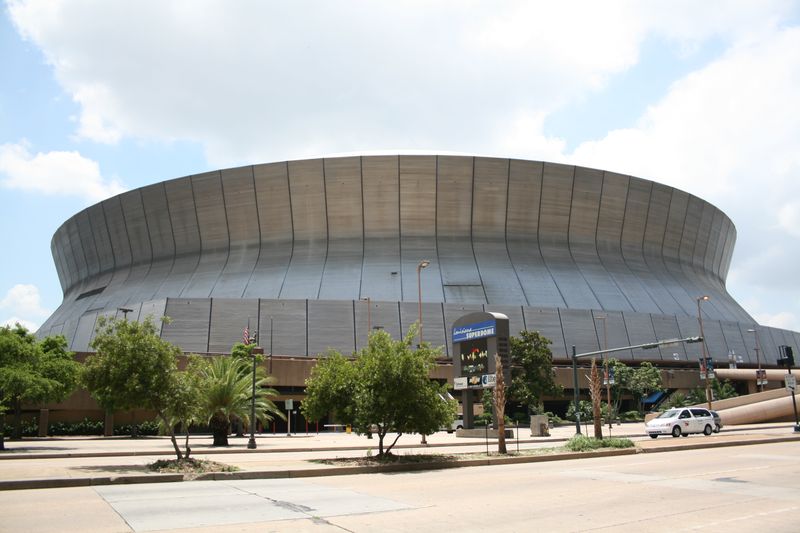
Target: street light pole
[
  {"x": 251, "y": 443},
  {"x": 575, "y": 392},
  {"x": 759, "y": 381},
  {"x": 700, "y": 299},
  {"x": 422, "y": 264}
]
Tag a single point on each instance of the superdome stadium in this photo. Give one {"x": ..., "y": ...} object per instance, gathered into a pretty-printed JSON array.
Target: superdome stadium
[{"x": 314, "y": 253}]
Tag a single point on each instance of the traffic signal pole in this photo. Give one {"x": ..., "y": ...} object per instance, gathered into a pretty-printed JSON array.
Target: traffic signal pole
[{"x": 646, "y": 346}]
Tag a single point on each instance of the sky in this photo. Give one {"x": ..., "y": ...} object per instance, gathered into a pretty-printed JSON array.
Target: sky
[{"x": 100, "y": 97}]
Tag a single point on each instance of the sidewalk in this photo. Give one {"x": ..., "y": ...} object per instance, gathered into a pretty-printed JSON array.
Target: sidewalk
[{"x": 71, "y": 461}]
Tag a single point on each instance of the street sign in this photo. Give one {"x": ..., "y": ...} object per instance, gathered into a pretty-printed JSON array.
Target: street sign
[
  {"x": 460, "y": 383},
  {"x": 761, "y": 377},
  {"x": 791, "y": 382},
  {"x": 488, "y": 380},
  {"x": 289, "y": 404}
]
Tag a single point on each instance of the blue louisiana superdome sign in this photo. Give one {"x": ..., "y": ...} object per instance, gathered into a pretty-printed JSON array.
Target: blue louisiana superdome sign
[{"x": 469, "y": 332}]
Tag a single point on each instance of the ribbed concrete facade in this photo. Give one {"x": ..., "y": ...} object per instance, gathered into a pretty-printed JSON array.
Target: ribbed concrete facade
[{"x": 299, "y": 244}]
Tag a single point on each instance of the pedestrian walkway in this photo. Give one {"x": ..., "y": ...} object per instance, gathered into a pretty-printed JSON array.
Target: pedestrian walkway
[{"x": 73, "y": 460}]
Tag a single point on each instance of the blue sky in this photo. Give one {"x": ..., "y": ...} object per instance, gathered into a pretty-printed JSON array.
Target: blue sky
[{"x": 99, "y": 97}]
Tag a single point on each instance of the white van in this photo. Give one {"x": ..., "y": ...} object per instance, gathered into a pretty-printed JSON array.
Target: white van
[{"x": 681, "y": 422}]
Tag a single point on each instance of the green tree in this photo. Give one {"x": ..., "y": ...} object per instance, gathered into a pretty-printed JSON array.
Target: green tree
[
  {"x": 330, "y": 389},
  {"x": 645, "y": 379},
  {"x": 678, "y": 399},
  {"x": 133, "y": 368},
  {"x": 532, "y": 374},
  {"x": 622, "y": 375},
  {"x": 385, "y": 388},
  {"x": 34, "y": 371},
  {"x": 184, "y": 407},
  {"x": 226, "y": 392},
  {"x": 639, "y": 381},
  {"x": 720, "y": 390}
]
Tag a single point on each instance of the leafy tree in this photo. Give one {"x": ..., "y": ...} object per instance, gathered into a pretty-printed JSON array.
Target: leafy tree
[
  {"x": 639, "y": 382},
  {"x": 622, "y": 375},
  {"x": 226, "y": 385},
  {"x": 31, "y": 370},
  {"x": 386, "y": 388},
  {"x": 532, "y": 375},
  {"x": 584, "y": 408},
  {"x": 133, "y": 368},
  {"x": 331, "y": 388},
  {"x": 678, "y": 399},
  {"x": 643, "y": 381},
  {"x": 184, "y": 406},
  {"x": 720, "y": 390}
]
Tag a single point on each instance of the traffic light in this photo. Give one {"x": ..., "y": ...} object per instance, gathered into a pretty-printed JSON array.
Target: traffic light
[
  {"x": 709, "y": 364},
  {"x": 787, "y": 356}
]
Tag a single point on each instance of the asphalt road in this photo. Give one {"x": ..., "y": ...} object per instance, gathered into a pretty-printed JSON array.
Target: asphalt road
[{"x": 747, "y": 488}]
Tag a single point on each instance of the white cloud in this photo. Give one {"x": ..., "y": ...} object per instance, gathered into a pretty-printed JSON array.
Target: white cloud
[
  {"x": 270, "y": 81},
  {"x": 63, "y": 173},
  {"x": 22, "y": 304},
  {"x": 789, "y": 218}
]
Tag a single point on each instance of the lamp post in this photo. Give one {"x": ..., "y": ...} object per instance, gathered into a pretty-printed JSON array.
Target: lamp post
[
  {"x": 422, "y": 264},
  {"x": 701, "y": 299},
  {"x": 759, "y": 381},
  {"x": 251, "y": 443}
]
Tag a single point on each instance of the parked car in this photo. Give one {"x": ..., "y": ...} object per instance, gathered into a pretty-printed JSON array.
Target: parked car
[
  {"x": 681, "y": 422},
  {"x": 717, "y": 421},
  {"x": 458, "y": 423}
]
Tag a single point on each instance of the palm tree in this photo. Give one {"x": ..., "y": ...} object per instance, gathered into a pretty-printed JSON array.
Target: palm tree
[{"x": 226, "y": 384}]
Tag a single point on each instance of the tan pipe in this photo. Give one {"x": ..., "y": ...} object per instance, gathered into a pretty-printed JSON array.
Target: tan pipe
[
  {"x": 749, "y": 374},
  {"x": 775, "y": 409}
]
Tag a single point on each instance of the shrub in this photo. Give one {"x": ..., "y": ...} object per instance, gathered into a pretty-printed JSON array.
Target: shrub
[
  {"x": 582, "y": 443},
  {"x": 84, "y": 427},
  {"x": 553, "y": 419},
  {"x": 631, "y": 416},
  {"x": 148, "y": 427},
  {"x": 30, "y": 428}
]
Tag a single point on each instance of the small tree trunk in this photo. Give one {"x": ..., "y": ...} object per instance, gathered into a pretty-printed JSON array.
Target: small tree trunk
[
  {"x": 595, "y": 390},
  {"x": 16, "y": 433},
  {"x": 500, "y": 404},
  {"x": 2, "y": 429},
  {"x": 172, "y": 436},
  {"x": 188, "y": 450},
  {"x": 389, "y": 449}
]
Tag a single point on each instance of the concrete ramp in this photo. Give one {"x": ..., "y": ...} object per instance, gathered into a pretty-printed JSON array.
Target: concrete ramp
[{"x": 768, "y": 406}]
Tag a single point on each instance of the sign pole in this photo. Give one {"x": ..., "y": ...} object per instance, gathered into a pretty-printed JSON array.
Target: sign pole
[
  {"x": 794, "y": 405},
  {"x": 575, "y": 390}
]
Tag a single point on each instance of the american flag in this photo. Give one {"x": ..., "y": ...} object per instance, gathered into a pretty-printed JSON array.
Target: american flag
[{"x": 246, "y": 336}]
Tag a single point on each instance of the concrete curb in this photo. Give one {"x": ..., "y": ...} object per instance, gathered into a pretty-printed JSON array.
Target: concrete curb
[
  {"x": 57, "y": 483},
  {"x": 721, "y": 444},
  {"x": 377, "y": 469}
]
